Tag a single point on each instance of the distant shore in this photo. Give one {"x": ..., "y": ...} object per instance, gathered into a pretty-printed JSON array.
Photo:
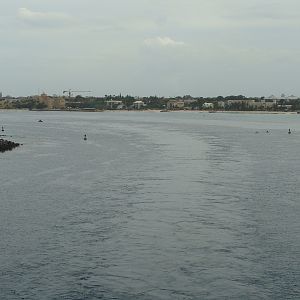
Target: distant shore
[{"x": 156, "y": 111}]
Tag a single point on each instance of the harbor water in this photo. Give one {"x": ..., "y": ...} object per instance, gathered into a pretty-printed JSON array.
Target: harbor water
[{"x": 181, "y": 205}]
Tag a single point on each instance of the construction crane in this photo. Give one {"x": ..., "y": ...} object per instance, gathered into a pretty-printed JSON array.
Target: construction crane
[{"x": 71, "y": 91}]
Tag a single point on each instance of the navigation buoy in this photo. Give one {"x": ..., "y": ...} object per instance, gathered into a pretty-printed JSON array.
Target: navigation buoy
[
  {"x": 289, "y": 132},
  {"x": 2, "y": 128},
  {"x": 85, "y": 137}
]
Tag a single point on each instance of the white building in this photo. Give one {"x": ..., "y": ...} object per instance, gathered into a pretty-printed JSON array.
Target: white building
[
  {"x": 175, "y": 104},
  {"x": 207, "y": 105},
  {"x": 138, "y": 104},
  {"x": 112, "y": 104}
]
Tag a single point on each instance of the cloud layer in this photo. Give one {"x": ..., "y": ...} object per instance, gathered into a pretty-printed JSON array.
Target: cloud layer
[{"x": 142, "y": 47}]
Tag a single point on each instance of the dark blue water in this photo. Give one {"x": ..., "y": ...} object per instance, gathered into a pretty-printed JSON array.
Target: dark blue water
[{"x": 151, "y": 206}]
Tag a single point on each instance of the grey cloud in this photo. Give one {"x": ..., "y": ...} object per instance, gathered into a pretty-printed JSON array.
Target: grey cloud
[
  {"x": 163, "y": 42},
  {"x": 38, "y": 18}
]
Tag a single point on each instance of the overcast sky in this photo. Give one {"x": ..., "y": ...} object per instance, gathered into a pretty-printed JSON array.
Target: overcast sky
[{"x": 150, "y": 47}]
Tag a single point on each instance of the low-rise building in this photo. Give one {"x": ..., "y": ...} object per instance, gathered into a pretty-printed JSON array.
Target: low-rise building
[
  {"x": 208, "y": 105},
  {"x": 113, "y": 104},
  {"x": 138, "y": 104},
  {"x": 262, "y": 104},
  {"x": 189, "y": 101},
  {"x": 51, "y": 102},
  {"x": 175, "y": 104},
  {"x": 221, "y": 104},
  {"x": 245, "y": 102}
]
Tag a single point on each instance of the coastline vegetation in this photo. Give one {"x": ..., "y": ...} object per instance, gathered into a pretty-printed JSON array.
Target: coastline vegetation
[{"x": 121, "y": 102}]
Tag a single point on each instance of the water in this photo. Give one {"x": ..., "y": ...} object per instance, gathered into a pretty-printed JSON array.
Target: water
[{"x": 151, "y": 206}]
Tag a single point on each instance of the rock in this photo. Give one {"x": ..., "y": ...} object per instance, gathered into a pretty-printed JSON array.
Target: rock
[{"x": 7, "y": 145}]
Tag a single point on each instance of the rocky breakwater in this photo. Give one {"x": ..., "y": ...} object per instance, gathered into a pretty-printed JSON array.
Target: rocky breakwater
[{"x": 7, "y": 145}]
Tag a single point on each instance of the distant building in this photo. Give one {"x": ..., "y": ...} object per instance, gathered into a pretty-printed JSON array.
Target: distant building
[
  {"x": 51, "y": 102},
  {"x": 263, "y": 104},
  {"x": 285, "y": 107},
  {"x": 282, "y": 97},
  {"x": 247, "y": 102},
  {"x": 221, "y": 104},
  {"x": 121, "y": 106},
  {"x": 138, "y": 104},
  {"x": 175, "y": 104},
  {"x": 113, "y": 104},
  {"x": 59, "y": 103},
  {"x": 189, "y": 101},
  {"x": 254, "y": 103},
  {"x": 207, "y": 105}
]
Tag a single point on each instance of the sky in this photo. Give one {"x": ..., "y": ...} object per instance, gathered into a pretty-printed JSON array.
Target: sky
[{"x": 150, "y": 47}]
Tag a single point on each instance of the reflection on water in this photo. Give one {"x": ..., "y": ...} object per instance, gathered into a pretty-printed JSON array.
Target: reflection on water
[{"x": 151, "y": 206}]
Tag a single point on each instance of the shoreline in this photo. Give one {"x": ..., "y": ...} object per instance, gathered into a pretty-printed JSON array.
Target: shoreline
[{"x": 155, "y": 111}]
